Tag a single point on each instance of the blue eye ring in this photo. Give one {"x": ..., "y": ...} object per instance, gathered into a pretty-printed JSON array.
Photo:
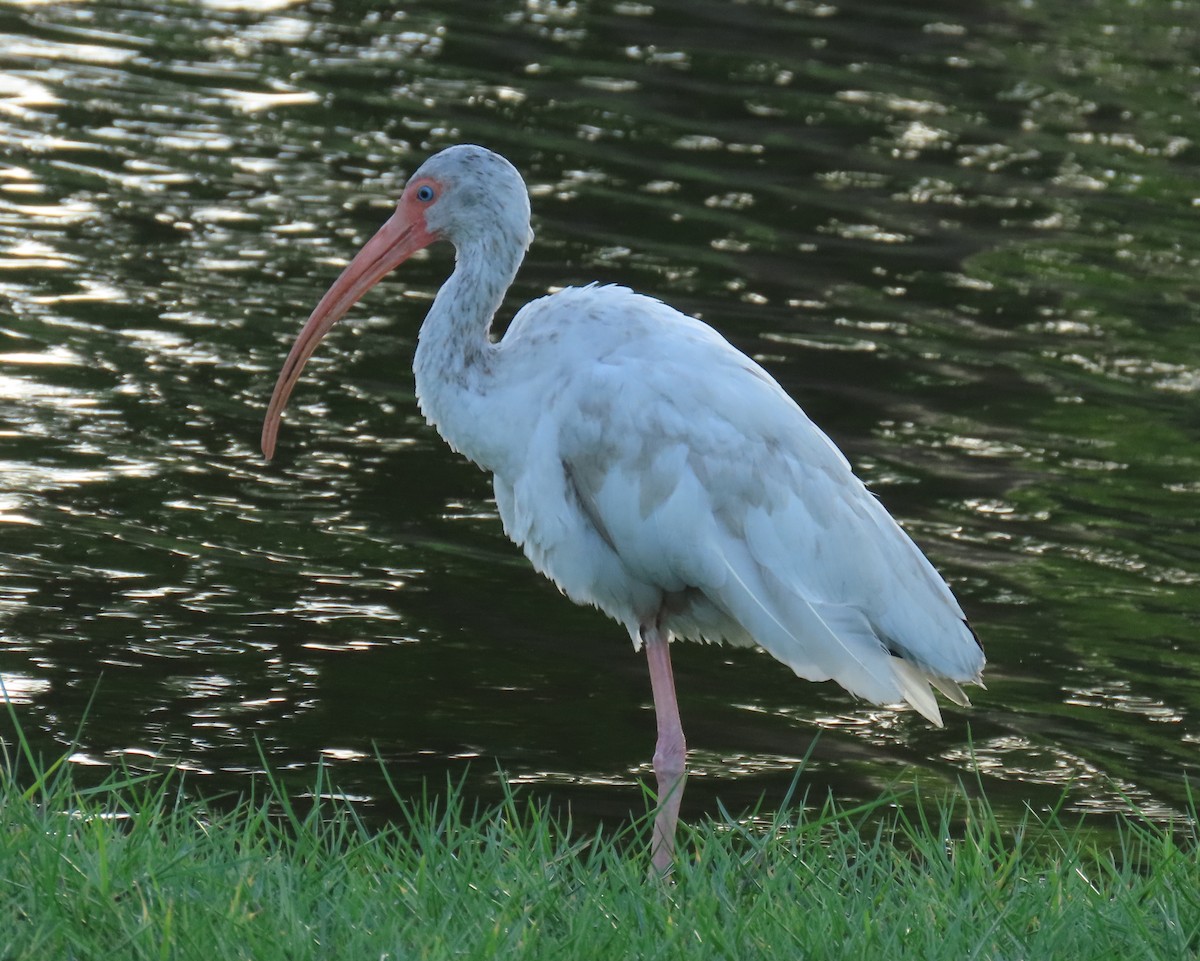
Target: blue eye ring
[{"x": 425, "y": 193}]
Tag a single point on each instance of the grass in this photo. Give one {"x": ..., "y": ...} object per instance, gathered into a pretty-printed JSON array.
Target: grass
[{"x": 136, "y": 869}]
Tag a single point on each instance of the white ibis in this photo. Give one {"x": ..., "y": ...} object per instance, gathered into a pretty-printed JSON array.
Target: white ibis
[{"x": 651, "y": 469}]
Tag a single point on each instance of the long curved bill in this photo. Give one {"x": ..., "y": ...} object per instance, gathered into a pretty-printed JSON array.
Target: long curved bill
[{"x": 397, "y": 240}]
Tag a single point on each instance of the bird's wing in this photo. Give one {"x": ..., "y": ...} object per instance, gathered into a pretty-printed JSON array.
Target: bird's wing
[{"x": 701, "y": 474}]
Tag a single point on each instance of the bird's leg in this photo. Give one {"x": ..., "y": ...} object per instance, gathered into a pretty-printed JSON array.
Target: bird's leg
[{"x": 670, "y": 753}]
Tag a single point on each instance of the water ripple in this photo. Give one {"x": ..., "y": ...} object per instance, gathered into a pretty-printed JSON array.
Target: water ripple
[{"x": 963, "y": 244}]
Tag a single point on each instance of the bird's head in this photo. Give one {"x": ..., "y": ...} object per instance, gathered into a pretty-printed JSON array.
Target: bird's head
[{"x": 466, "y": 195}]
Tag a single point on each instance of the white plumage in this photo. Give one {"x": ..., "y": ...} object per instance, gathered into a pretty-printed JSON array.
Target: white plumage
[
  {"x": 650, "y": 468},
  {"x": 670, "y": 470}
]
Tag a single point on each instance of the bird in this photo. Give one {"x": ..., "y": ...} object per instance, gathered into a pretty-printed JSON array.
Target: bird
[{"x": 651, "y": 469}]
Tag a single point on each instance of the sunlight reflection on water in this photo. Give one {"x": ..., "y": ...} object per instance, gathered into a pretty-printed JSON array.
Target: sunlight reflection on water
[{"x": 972, "y": 270}]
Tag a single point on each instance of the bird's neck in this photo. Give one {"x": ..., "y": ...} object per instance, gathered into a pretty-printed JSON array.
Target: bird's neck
[{"x": 455, "y": 361}]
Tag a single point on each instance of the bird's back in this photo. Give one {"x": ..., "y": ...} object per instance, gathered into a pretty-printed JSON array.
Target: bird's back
[{"x": 665, "y": 475}]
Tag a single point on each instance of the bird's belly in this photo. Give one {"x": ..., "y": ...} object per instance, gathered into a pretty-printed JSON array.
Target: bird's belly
[
  {"x": 566, "y": 547},
  {"x": 562, "y": 544}
]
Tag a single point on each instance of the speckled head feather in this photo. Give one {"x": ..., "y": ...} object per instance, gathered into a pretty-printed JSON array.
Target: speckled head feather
[{"x": 481, "y": 193}]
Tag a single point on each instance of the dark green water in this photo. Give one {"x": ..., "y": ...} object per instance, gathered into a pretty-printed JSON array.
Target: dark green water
[{"x": 966, "y": 241}]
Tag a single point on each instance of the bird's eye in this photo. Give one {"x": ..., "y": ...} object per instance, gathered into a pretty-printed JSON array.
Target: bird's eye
[{"x": 425, "y": 193}]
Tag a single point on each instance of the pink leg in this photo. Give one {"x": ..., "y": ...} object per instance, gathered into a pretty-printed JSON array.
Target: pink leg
[{"x": 670, "y": 753}]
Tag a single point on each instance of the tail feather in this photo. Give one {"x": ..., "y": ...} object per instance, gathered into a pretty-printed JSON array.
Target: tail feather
[
  {"x": 914, "y": 685},
  {"x": 951, "y": 689},
  {"x": 821, "y": 640}
]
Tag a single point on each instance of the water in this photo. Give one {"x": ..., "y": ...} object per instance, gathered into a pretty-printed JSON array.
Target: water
[{"x": 965, "y": 241}]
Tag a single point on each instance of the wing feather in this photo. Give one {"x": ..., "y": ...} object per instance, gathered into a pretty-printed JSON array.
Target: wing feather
[{"x": 704, "y": 480}]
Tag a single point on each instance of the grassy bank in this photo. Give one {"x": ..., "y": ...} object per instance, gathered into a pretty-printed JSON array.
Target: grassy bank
[{"x": 133, "y": 869}]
